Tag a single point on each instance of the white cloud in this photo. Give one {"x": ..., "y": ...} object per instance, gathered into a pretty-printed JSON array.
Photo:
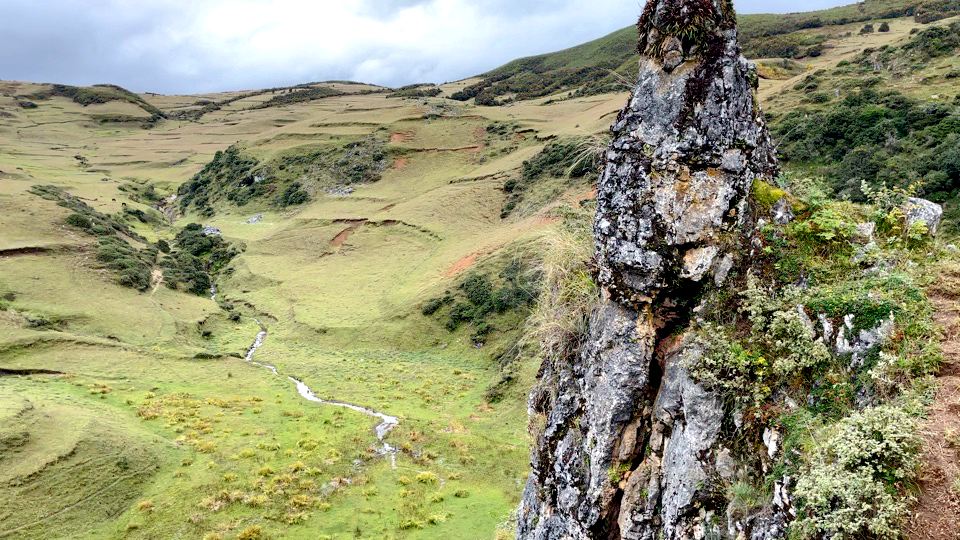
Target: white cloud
[{"x": 190, "y": 46}]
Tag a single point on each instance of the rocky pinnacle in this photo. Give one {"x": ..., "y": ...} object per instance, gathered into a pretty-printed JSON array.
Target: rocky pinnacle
[{"x": 628, "y": 445}]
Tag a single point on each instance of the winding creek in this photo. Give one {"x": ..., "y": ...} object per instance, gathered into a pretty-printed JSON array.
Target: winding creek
[{"x": 387, "y": 422}]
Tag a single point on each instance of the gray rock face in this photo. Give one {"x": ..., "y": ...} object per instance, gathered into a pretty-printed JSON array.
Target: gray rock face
[
  {"x": 923, "y": 211},
  {"x": 632, "y": 447},
  {"x": 864, "y": 233}
]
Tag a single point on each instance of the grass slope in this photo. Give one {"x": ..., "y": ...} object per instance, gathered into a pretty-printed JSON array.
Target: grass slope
[
  {"x": 339, "y": 280},
  {"x": 602, "y": 65}
]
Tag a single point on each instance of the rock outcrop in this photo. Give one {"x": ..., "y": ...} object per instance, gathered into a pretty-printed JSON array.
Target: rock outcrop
[
  {"x": 631, "y": 446},
  {"x": 923, "y": 211}
]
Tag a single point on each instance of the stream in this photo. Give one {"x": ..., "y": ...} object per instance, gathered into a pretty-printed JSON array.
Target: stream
[{"x": 387, "y": 422}]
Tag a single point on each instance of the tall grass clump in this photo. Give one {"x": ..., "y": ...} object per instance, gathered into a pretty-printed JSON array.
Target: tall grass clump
[{"x": 560, "y": 319}]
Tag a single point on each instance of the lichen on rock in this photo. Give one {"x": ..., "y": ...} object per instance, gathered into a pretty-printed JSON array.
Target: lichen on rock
[{"x": 632, "y": 444}]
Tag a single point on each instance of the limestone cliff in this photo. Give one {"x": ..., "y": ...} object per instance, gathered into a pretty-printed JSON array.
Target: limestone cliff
[{"x": 631, "y": 443}]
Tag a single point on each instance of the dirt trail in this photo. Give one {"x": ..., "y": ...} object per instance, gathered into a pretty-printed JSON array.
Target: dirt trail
[
  {"x": 937, "y": 513},
  {"x": 156, "y": 279}
]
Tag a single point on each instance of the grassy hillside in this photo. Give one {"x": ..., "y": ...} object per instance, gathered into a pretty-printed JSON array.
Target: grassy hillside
[
  {"x": 398, "y": 202},
  {"x": 603, "y": 64},
  {"x": 881, "y": 114}
]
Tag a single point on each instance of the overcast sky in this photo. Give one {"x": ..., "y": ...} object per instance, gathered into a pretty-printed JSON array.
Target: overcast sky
[{"x": 192, "y": 46}]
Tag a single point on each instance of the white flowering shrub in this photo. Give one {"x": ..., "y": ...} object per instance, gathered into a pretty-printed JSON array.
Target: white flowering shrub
[
  {"x": 842, "y": 504},
  {"x": 856, "y": 486}
]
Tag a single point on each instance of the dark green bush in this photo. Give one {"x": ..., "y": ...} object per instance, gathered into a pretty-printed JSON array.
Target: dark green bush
[
  {"x": 294, "y": 194},
  {"x": 79, "y": 220},
  {"x": 229, "y": 171},
  {"x": 416, "y": 91},
  {"x": 936, "y": 41},
  {"x": 197, "y": 257},
  {"x": 133, "y": 267},
  {"x": 480, "y": 295},
  {"x": 187, "y": 272},
  {"x": 431, "y": 306},
  {"x": 99, "y": 224},
  {"x": 239, "y": 178},
  {"x": 876, "y": 137},
  {"x": 459, "y": 313},
  {"x": 299, "y": 95},
  {"x": 98, "y": 93}
]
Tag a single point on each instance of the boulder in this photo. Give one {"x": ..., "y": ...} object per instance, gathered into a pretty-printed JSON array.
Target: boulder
[{"x": 923, "y": 211}]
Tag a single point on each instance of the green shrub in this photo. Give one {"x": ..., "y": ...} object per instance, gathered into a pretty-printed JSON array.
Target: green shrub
[
  {"x": 196, "y": 259},
  {"x": 416, "y": 91},
  {"x": 856, "y": 487},
  {"x": 133, "y": 267},
  {"x": 726, "y": 365},
  {"x": 299, "y": 94},
  {"x": 186, "y": 271},
  {"x": 286, "y": 179},
  {"x": 431, "y": 306},
  {"x": 478, "y": 289},
  {"x": 781, "y": 344},
  {"x": 480, "y": 295},
  {"x": 294, "y": 194},
  {"x": 460, "y": 312},
  {"x": 229, "y": 170},
  {"x": 84, "y": 216},
  {"x": 98, "y": 93},
  {"x": 936, "y": 41},
  {"x": 878, "y": 137},
  {"x": 79, "y": 220}
]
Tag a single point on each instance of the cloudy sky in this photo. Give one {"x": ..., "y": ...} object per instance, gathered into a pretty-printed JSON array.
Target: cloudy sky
[{"x": 192, "y": 46}]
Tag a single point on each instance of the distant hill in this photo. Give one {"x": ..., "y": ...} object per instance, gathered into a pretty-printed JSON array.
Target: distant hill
[{"x": 605, "y": 64}]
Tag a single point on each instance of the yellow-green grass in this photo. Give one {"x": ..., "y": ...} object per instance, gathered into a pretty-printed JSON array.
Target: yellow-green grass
[
  {"x": 344, "y": 316},
  {"x": 65, "y": 456}
]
